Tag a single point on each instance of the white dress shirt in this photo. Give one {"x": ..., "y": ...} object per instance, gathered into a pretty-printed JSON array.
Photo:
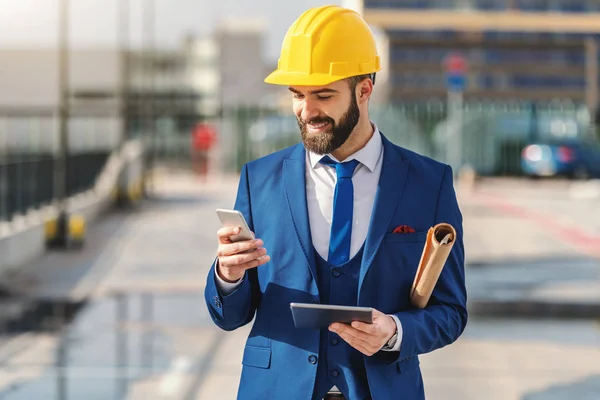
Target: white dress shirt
[{"x": 320, "y": 189}]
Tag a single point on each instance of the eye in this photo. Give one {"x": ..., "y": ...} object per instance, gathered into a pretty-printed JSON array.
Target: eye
[
  {"x": 324, "y": 97},
  {"x": 298, "y": 96}
]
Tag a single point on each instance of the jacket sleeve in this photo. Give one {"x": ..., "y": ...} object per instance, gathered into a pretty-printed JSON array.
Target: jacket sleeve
[
  {"x": 444, "y": 318},
  {"x": 237, "y": 308}
]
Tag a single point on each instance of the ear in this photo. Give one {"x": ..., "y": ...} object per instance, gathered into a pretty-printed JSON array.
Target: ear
[{"x": 364, "y": 90}]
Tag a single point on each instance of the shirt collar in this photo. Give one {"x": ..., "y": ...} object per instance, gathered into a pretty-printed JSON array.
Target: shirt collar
[{"x": 368, "y": 155}]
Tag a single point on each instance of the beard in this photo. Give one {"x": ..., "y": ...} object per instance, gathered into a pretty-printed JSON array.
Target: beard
[{"x": 337, "y": 134}]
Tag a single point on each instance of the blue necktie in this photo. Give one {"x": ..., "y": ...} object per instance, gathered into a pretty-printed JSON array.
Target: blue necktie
[{"x": 343, "y": 204}]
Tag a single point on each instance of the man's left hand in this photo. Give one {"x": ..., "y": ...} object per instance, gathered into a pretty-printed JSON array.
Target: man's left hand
[{"x": 367, "y": 338}]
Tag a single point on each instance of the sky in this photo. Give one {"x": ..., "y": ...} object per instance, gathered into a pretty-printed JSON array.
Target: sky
[{"x": 34, "y": 23}]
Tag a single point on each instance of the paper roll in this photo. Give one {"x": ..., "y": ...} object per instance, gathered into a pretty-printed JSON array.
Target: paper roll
[{"x": 440, "y": 239}]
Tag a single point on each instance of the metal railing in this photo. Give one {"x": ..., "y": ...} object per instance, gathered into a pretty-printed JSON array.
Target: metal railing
[{"x": 28, "y": 151}]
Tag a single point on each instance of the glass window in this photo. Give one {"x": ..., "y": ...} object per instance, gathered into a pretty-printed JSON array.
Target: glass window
[
  {"x": 535, "y": 81},
  {"x": 573, "y": 6},
  {"x": 490, "y": 4},
  {"x": 532, "y": 5}
]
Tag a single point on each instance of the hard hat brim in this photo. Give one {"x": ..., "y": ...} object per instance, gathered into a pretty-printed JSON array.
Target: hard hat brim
[{"x": 299, "y": 79}]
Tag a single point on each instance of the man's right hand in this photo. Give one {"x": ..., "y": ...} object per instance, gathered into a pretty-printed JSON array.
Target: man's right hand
[{"x": 236, "y": 258}]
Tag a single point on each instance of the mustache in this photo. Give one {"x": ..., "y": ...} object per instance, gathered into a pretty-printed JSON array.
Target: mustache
[{"x": 316, "y": 120}]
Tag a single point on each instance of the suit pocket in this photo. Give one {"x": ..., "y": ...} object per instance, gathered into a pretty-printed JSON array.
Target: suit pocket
[
  {"x": 413, "y": 237},
  {"x": 407, "y": 364},
  {"x": 259, "y": 357}
]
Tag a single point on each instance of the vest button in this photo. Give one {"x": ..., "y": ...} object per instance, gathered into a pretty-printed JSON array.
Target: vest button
[
  {"x": 334, "y": 341},
  {"x": 312, "y": 359},
  {"x": 336, "y": 272},
  {"x": 335, "y": 373}
]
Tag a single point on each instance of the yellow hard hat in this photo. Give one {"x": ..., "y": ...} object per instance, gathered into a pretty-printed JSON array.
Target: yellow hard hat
[{"x": 326, "y": 44}]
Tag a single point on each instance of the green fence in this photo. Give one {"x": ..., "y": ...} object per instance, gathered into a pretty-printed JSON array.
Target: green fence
[{"x": 491, "y": 138}]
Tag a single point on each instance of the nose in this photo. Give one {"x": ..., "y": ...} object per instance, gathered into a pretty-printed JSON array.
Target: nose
[{"x": 309, "y": 110}]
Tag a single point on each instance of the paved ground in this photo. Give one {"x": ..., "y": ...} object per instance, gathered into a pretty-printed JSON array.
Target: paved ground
[
  {"x": 157, "y": 341},
  {"x": 533, "y": 246},
  {"x": 524, "y": 219}
]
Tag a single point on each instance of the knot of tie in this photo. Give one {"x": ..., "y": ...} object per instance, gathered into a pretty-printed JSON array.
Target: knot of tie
[{"x": 343, "y": 169}]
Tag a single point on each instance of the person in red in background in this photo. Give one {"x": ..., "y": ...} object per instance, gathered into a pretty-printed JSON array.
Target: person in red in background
[{"x": 203, "y": 140}]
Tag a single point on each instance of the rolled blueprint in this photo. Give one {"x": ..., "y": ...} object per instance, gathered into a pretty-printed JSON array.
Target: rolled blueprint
[{"x": 440, "y": 239}]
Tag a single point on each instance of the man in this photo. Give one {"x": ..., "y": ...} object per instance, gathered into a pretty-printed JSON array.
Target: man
[{"x": 326, "y": 211}]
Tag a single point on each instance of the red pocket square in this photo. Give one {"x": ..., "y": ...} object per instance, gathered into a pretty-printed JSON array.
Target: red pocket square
[{"x": 404, "y": 229}]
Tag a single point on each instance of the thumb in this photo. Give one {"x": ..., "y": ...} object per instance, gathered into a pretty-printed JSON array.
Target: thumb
[{"x": 377, "y": 313}]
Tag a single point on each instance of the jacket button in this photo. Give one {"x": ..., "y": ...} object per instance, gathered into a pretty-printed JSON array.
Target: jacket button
[
  {"x": 312, "y": 359},
  {"x": 335, "y": 373},
  {"x": 315, "y": 301},
  {"x": 334, "y": 341},
  {"x": 336, "y": 272}
]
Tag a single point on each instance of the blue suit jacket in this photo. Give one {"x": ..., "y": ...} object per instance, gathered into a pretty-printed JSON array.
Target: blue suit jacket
[{"x": 413, "y": 190}]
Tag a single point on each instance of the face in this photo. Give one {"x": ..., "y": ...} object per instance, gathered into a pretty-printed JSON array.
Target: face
[{"x": 326, "y": 115}]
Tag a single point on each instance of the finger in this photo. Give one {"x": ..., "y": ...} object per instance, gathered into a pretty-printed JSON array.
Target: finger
[
  {"x": 229, "y": 249},
  {"x": 377, "y": 313},
  {"x": 255, "y": 263},
  {"x": 370, "y": 329},
  {"x": 229, "y": 263},
  {"x": 239, "y": 270},
  {"x": 242, "y": 258},
  {"x": 226, "y": 231},
  {"x": 348, "y": 331},
  {"x": 369, "y": 342},
  {"x": 358, "y": 344}
]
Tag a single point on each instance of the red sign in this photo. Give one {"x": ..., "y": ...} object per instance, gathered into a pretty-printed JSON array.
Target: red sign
[{"x": 455, "y": 64}]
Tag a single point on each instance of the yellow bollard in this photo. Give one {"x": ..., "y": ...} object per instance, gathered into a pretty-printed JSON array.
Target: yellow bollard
[
  {"x": 76, "y": 231},
  {"x": 50, "y": 229},
  {"x": 77, "y": 228},
  {"x": 135, "y": 192}
]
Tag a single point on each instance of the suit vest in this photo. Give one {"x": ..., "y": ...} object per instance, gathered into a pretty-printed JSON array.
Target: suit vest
[{"x": 339, "y": 364}]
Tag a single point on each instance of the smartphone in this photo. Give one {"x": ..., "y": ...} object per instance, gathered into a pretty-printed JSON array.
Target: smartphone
[{"x": 233, "y": 218}]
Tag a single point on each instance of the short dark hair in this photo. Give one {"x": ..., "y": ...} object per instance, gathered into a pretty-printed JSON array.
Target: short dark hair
[{"x": 353, "y": 81}]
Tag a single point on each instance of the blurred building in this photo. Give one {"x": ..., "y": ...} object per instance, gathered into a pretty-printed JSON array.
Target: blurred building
[
  {"x": 30, "y": 95},
  {"x": 515, "y": 49},
  {"x": 184, "y": 85}
]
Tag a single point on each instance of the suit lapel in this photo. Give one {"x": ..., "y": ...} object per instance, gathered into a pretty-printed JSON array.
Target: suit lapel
[
  {"x": 294, "y": 178},
  {"x": 392, "y": 181}
]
